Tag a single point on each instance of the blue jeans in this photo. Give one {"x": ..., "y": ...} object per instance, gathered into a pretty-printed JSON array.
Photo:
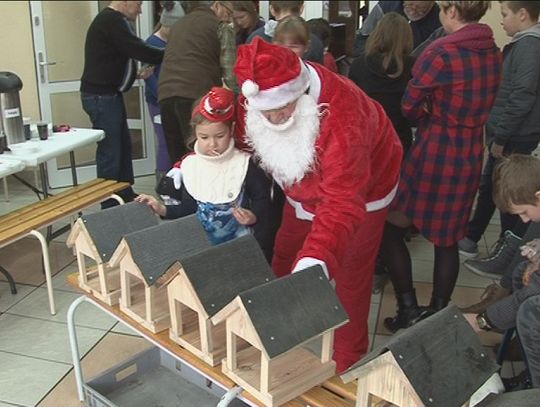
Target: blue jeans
[
  {"x": 113, "y": 153},
  {"x": 485, "y": 207}
]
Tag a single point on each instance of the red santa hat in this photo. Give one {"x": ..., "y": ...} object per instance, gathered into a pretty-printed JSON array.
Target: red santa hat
[
  {"x": 217, "y": 105},
  {"x": 271, "y": 76}
]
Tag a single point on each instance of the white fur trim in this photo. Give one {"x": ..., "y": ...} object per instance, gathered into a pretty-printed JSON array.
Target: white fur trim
[
  {"x": 314, "y": 83},
  {"x": 492, "y": 385},
  {"x": 372, "y": 206},
  {"x": 250, "y": 88},
  {"x": 383, "y": 202},
  {"x": 299, "y": 210},
  {"x": 306, "y": 262},
  {"x": 279, "y": 96}
]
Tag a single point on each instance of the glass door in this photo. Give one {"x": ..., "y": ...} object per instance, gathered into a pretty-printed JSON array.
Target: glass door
[{"x": 59, "y": 30}]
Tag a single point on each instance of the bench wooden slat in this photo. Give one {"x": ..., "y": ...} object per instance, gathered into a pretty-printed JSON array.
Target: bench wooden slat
[
  {"x": 71, "y": 204},
  {"x": 29, "y": 209},
  {"x": 319, "y": 397},
  {"x": 36, "y": 209},
  {"x": 43, "y": 215},
  {"x": 345, "y": 390}
]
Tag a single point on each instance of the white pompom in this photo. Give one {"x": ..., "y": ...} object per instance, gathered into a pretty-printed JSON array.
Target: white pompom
[{"x": 250, "y": 88}]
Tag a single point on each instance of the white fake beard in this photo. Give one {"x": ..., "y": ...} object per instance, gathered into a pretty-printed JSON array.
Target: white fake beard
[{"x": 286, "y": 150}]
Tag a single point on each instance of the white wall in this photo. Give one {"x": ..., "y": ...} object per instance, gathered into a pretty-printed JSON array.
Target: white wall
[{"x": 17, "y": 49}]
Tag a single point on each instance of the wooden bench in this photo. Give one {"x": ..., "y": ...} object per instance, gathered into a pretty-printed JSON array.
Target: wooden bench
[{"x": 28, "y": 220}]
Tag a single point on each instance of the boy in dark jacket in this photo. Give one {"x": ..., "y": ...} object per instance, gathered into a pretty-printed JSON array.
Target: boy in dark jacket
[
  {"x": 513, "y": 125},
  {"x": 516, "y": 189}
]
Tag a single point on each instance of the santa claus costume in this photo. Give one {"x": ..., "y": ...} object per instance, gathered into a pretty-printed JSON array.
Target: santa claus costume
[{"x": 337, "y": 158}]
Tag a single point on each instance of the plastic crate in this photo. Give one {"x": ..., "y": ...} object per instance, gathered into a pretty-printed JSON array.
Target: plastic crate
[{"x": 152, "y": 378}]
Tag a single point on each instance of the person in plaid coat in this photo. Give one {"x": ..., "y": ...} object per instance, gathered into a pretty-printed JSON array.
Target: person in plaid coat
[{"x": 450, "y": 95}]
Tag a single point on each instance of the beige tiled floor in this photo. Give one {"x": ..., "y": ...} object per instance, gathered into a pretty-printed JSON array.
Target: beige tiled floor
[{"x": 35, "y": 359}]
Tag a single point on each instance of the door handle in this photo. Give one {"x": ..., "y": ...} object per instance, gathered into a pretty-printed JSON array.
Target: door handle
[{"x": 42, "y": 64}]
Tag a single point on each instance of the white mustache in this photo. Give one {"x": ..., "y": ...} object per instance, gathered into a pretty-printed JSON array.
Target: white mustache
[{"x": 286, "y": 125}]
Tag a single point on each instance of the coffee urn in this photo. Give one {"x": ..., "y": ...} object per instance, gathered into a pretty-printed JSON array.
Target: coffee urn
[{"x": 11, "y": 118}]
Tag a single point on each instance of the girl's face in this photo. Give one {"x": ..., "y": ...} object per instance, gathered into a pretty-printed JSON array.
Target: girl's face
[
  {"x": 288, "y": 42},
  {"x": 213, "y": 138},
  {"x": 242, "y": 19}
]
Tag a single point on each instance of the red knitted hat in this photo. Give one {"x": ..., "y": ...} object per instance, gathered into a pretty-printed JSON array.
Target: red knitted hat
[
  {"x": 217, "y": 105},
  {"x": 271, "y": 76}
]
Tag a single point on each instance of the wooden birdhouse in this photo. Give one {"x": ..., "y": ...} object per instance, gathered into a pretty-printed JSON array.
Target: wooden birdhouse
[
  {"x": 203, "y": 284},
  {"x": 94, "y": 238},
  {"x": 437, "y": 362},
  {"x": 144, "y": 257},
  {"x": 275, "y": 320}
]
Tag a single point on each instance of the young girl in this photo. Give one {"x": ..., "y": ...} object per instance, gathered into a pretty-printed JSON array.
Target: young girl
[
  {"x": 246, "y": 20},
  {"x": 218, "y": 182},
  {"x": 293, "y": 32},
  {"x": 384, "y": 69}
]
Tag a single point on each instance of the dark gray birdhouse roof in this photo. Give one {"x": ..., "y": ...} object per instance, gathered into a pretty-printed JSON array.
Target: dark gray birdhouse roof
[
  {"x": 521, "y": 398},
  {"x": 291, "y": 310},
  {"x": 107, "y": 227},
  {"x": 221, "y": 272},
  {"x": 155, "y": 249},
  {"x": 442, "y": 358}
]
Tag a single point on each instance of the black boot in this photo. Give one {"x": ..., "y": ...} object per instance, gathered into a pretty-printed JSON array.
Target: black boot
[
  {"x": 435, "y": 305},
  {"x": 409, "y": 313}
]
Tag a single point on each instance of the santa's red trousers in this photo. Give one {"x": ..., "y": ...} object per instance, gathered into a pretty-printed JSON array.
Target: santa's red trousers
[{"x": 353, "y": 279}]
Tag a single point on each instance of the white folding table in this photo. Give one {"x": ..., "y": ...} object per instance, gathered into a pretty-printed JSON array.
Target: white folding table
[{"x": 56, "y": 145}]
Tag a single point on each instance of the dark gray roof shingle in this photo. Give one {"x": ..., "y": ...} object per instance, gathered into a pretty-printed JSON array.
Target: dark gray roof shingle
[
  {"x": 220, "y": 273},
  {"x": 107, "y": 227},
  {"x": 155, "y": 249},
  {"x": 522, "y": 398},
  {"x": 442, "y": 358},
  {"x": 291, "y": 310}
]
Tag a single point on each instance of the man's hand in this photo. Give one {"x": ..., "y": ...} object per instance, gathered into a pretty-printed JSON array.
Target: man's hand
[
  {"x": 145, "y": 72},
  {"x": 471, "y": 319},
  {"x": 496, "y": 150},
  {"x": 531, "y": 250}
]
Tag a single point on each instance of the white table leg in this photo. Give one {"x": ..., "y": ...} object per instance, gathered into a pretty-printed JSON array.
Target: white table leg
[
  {"x": 6, "y": 194},
  {"x": 47, "y": 266}
]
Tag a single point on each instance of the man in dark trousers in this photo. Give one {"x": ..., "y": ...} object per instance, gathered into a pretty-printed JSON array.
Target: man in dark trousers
[{"x": 110, "y": 52}]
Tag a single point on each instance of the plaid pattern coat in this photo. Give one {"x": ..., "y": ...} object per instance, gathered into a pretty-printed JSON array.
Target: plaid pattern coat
[{"x": 453, "y": 87}]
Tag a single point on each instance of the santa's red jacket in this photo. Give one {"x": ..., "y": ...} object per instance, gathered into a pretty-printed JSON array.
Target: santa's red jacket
[{"x": 358, "y": 162}]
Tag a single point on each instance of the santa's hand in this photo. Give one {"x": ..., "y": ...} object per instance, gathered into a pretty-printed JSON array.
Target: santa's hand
[
  {"x": 176, "y": 174},
  {"x": 306, "y": 262}
]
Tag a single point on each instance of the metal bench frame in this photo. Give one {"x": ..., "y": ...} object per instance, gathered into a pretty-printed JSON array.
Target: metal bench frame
[{"x": 27, "y": 220}]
